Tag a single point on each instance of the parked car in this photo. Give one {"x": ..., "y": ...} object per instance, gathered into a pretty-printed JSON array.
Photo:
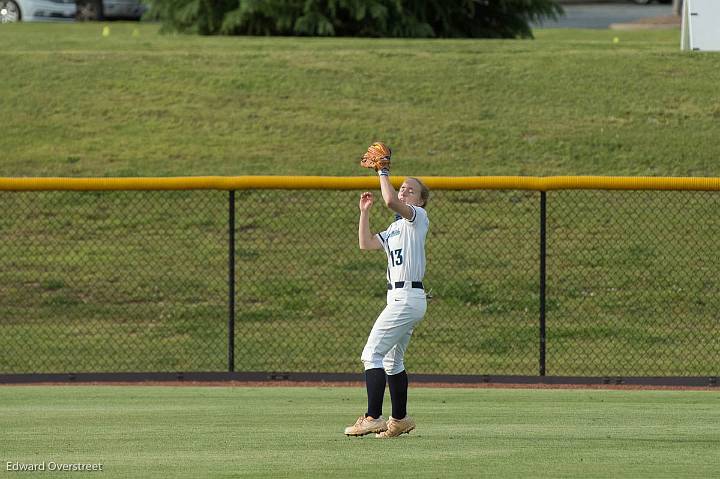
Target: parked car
[
  {"x": 49, "y": 10},
  {"x": 36, "y": 10},
  {"x": 109, "y": 9}
]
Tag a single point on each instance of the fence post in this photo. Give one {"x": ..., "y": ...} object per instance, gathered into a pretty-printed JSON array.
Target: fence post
[
  {"x": 231, "y": 281},
  {"x": 543, "y": 250}
]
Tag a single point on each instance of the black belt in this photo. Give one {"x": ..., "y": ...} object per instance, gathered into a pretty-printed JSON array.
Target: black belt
[{"x": 401, "y": 284}]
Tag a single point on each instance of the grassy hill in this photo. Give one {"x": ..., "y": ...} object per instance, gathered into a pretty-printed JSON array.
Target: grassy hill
[{"x": 76, "y": 103}]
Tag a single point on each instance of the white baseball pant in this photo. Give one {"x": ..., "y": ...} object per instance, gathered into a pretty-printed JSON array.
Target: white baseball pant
[{"x": 390, "y": 335}]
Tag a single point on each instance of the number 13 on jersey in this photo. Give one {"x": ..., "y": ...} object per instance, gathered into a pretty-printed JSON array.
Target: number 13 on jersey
[{"x": 396, "y": 257}]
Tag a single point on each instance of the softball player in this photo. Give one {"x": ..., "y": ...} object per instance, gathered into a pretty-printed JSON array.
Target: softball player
[{"x": 404, "y": 245}]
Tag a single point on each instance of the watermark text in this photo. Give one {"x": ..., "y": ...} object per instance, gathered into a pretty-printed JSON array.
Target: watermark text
[{"x": 51, "y": 466}]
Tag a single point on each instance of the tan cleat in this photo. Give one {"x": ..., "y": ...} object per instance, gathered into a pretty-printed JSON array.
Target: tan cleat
[
  {"x": 395, "y": 427},
  {"x": 366, "y": 425}
]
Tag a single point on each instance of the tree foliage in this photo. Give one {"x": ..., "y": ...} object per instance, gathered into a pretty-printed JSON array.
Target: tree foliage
[{"x": 367, "y": 18}]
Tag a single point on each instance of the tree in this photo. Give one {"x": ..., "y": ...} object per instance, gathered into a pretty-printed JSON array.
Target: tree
[{"x": 367, "y": 18}]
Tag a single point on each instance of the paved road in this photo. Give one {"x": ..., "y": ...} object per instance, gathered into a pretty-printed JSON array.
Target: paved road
[{"x": 602, "y": 15}]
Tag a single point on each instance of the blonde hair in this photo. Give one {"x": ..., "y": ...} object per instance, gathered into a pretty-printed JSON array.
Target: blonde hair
[{"x": 424, "y": 191}]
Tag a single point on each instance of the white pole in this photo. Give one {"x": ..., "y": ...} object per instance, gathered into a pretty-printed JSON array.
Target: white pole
[{"x": 685, "y": 28}]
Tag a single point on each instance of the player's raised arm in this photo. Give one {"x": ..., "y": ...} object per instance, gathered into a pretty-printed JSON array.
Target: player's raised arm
[
  {"x": 366, "y": 239},
  {"x": 391, "y": 198},
  {"x": 378, "y": 158}
]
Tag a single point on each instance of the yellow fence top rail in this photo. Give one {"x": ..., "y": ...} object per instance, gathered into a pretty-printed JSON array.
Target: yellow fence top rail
[{"x": 546, "y": 183}]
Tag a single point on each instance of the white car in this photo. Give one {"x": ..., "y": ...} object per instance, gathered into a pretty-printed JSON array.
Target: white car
[
  {"x": 49, "y": 10},
  {"x": 36, "y": 10}
]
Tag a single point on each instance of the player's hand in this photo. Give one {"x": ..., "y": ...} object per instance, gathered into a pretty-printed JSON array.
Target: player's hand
[{"x": 366, "y": 201}]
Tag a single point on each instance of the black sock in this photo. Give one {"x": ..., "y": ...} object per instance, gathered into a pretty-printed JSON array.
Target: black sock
[
  {"x": 398, "y": 384},
  {"x": 375, "y": 382}
]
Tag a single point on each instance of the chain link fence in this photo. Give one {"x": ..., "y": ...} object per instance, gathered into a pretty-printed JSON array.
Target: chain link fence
[{"x": 120, "y": 281}]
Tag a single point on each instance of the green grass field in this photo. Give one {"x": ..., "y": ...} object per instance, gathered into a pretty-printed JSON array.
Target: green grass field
[
  {"x": 89, "y": 277},
  {"x": 297, "y": 432}
]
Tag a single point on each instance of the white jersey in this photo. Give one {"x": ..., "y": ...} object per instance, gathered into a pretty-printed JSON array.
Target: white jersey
[{"x": 404, "y": 243}]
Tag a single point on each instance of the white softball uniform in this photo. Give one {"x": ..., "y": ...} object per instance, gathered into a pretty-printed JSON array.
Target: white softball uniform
[{"x": 404, "y": 244}]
